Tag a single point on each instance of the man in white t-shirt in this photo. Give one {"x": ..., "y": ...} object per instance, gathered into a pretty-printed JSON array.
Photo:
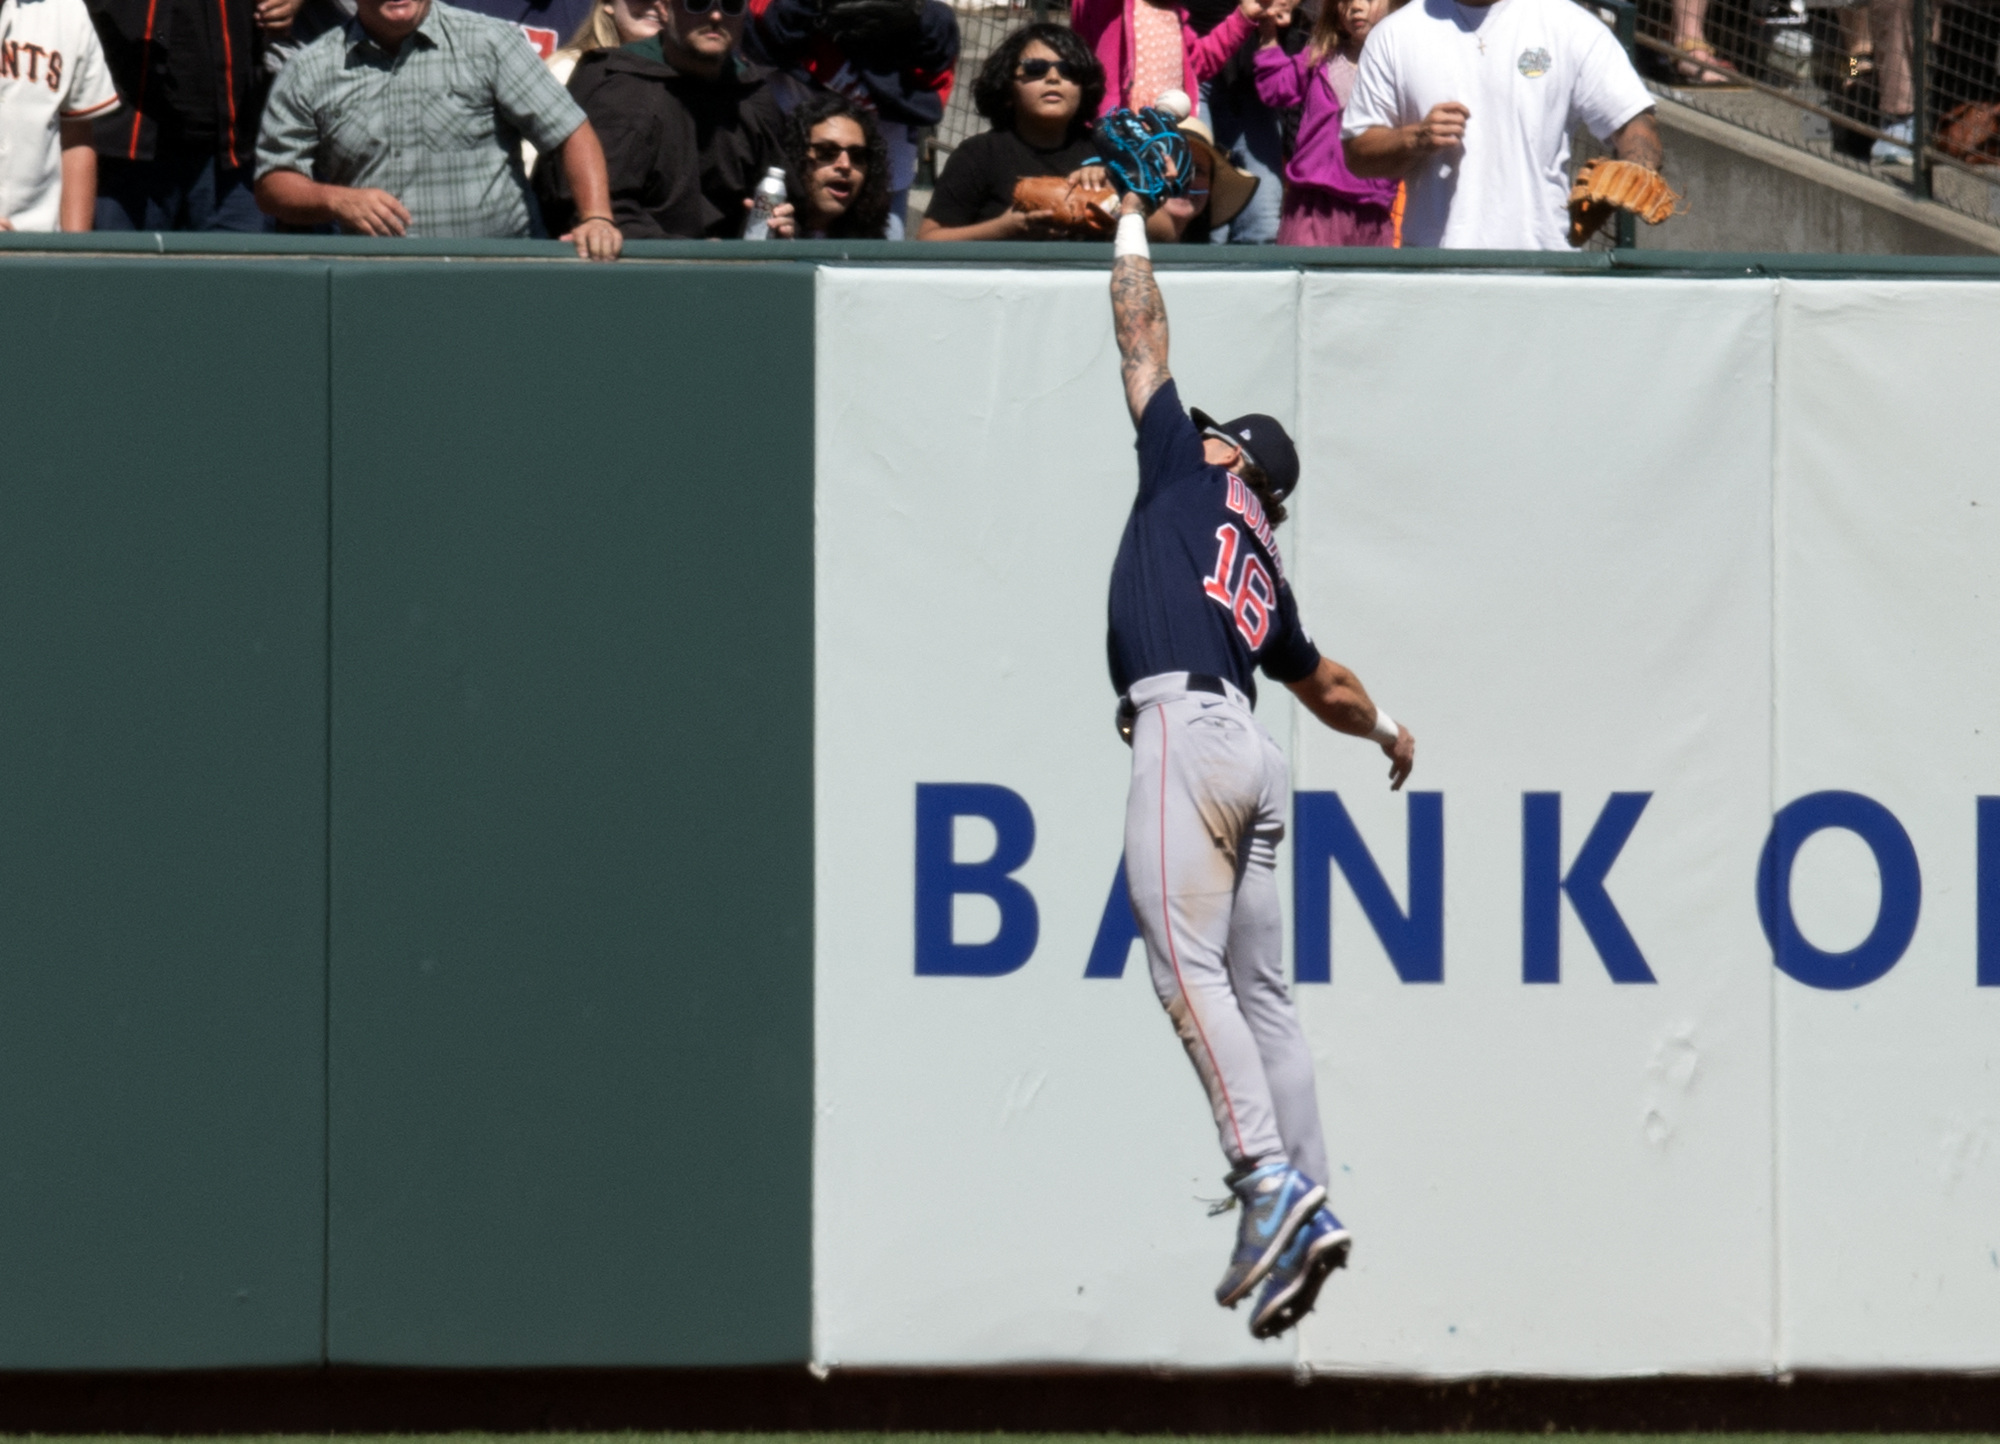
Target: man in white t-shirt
[
  {"x": 1471, "y": 105},
  {"x": 53, "y": 85}
]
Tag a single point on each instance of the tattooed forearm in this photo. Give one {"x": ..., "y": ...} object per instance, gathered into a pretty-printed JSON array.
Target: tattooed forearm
[
  {"x": 1639, "y": 140},
  {"x": 1139, "y": 319}
]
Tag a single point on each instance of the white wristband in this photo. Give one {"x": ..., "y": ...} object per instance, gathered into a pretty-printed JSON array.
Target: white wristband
[
  {"x": 1131, "y": 239},
  {"x": 1385, "y": 729}
]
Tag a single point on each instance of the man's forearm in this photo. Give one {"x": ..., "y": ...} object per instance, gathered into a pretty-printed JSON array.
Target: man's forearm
[
  {"x": 1383, "y": 153},
  {"x": 79, "y": 188},
  {"x": 295, "y": 199},
  {"x": 1335, "y": 696},
  {"x": 1638, "y": 140},
  {"x": 584, "y": 169}
]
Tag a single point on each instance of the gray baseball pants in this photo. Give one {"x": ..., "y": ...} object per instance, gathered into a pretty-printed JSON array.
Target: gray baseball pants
[{"x": 1202, "y": 825}]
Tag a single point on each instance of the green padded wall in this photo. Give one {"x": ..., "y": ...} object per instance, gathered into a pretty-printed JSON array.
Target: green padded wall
[
  {"x": 571, "y": 818},
  {"x": 162, "y": 779}
]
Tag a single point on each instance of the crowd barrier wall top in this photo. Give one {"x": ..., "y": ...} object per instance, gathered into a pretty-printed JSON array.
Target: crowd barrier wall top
[
  {"x": 460, "y": 716},
  {"x": 1011, "y": 255}
]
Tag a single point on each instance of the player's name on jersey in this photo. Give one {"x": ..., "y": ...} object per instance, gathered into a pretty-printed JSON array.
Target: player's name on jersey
[{"x": 1412, "y": 933}]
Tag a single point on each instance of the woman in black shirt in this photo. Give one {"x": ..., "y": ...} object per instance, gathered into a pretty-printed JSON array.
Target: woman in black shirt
[{"x": 1040, "y": 90}]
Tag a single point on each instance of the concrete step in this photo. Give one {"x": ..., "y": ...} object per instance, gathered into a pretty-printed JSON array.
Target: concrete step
[{"x": 1748, "y": 191}]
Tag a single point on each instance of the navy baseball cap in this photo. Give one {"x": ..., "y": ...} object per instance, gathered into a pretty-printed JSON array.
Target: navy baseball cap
[{"x": 1263, "y": 440}]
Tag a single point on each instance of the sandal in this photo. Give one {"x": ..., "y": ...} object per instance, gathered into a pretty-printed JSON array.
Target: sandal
[
  {"x": 1850, "y": 70},
  {"x": 1703, "y": 66}
]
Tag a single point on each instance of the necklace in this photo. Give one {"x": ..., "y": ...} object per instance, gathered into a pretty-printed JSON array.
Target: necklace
[{"x": 1478, "y": 39}]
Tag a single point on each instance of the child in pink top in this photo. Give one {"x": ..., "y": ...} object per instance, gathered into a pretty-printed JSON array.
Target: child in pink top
[
  {"x": 1147, "y": 46},
  {"x": 1326, "y": 204}
]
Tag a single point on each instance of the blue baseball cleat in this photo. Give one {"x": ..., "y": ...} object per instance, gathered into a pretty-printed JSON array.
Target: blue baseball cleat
[
  {"x": 1277, "y": 1200},
  {"x": 1293, "y": 1287}
]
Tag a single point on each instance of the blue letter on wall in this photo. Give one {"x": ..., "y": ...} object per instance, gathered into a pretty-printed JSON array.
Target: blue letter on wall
[
  {"x": 1989, "y": 892},
  {"x": 1895, "y": 917},
  {"x": 1413, "y": 941},
  {"x": 1117, "y": 929},
  {"x": 940, "y": 878},
  {"x": 1543, "y": 886}
]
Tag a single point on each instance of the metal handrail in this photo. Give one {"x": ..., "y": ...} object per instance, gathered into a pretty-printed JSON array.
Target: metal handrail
[{"x": 1932, "y": 155}]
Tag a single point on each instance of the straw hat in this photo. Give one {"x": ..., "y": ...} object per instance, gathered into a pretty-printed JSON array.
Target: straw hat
[{"x": 1229, "y": 189}]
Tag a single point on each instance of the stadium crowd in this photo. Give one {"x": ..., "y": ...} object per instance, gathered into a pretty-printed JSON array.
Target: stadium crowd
[{"x": 599, "y": 121}]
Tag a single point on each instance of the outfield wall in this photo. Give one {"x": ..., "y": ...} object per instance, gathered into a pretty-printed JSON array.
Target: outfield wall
[
  {"x": 405, "y": 943},
  {"x": 463, "y": 729},
  {"x": 1730, "y": 554}
]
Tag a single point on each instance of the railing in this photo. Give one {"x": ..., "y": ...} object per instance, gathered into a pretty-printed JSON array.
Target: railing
[{"x": 1905, "y": 90}]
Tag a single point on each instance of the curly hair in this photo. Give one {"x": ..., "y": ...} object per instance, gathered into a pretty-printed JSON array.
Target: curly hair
[
  {"x": 993, "y": 92},
  {"x": 868, "y": 217}
]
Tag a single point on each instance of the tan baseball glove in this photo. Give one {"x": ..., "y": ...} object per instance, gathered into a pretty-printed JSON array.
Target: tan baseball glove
[
  {"x": 1082, "y": 213},
  {"x": 1604, "y": 185}
]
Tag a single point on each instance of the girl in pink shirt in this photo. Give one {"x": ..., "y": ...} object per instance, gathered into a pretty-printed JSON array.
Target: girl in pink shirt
[
  {"x": 1326, "y": 204},
  {"x": 1147, "y": 46}
]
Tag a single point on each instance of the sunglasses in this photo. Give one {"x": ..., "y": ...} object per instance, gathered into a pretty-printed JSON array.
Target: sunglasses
[
  {"x": 825, "y": 152},
  {"x": 1036, "y": 69},
  {"x": 703, "y": 7}
]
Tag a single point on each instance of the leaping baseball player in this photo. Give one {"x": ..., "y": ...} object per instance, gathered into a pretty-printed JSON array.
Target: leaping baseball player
[{"x": 1199, "y": 601}]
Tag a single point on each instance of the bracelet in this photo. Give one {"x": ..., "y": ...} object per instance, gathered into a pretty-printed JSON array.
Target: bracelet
[
  {"x": 1385, "y": 731},
  {"x": 586, "y": 220},
  {"x": 1131, "y": 240}
]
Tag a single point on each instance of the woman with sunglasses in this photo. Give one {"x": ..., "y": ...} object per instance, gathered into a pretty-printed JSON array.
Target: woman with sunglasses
[
  {"x": 1040, "y": 90},
  {"x": 837, "y": 172},
  {"x": 610, "y": 24}
]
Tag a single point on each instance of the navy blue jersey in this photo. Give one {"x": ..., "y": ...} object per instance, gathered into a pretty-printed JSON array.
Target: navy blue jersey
[{"x": 1198, "y": 586}]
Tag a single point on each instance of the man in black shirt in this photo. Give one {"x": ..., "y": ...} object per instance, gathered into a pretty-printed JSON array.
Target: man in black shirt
[
  {"x": 689, "y": 126},
  {"x": 178, "y": 156},
  {"x": 1040, "y": 89}
]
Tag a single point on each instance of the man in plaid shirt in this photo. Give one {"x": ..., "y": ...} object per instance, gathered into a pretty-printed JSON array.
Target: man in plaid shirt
[{"x": 407, "y": 121}]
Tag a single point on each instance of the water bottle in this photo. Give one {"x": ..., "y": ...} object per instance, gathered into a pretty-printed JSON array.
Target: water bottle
[{"x": 769, "y": 195}]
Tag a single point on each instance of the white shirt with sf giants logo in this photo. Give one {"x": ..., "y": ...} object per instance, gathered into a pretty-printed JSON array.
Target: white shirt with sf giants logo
[{"x": 51, "y": 69}]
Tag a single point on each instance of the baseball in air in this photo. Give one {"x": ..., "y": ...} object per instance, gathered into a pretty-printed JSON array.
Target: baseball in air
[{"x": 1174, "y": 103}]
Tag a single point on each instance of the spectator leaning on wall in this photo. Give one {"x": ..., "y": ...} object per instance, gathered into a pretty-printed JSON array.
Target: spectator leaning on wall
[
  {"x": 405, "y": 121},
  {"x": 178, "y": 157},
  {"x": 1472, "y": 105},
  {"x": 689, "y": 126},
  {"x": 53, "y": 85}
]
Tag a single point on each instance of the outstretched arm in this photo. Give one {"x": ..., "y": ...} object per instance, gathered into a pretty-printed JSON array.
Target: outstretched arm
[
  {"x": 1335, "y": 696},
  {"x": 1139, "y": 317}
]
